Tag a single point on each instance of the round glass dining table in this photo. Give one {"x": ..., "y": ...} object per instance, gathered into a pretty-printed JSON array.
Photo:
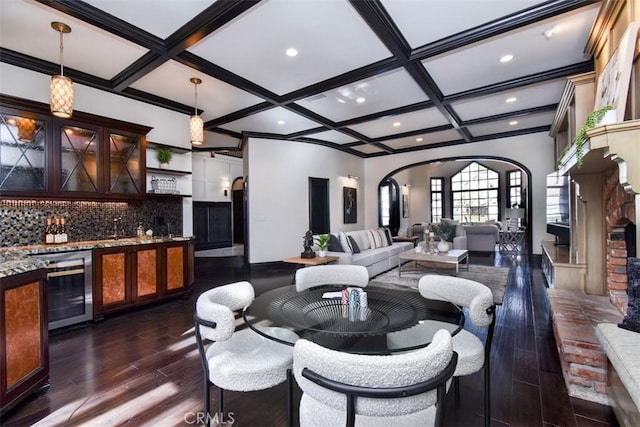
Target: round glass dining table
[{"x": 393, "y": 321}]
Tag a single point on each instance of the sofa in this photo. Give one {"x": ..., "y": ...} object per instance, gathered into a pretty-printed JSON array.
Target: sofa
[
  {"x": 372, "y": 248},
  {"x": 474, "y": 237}
]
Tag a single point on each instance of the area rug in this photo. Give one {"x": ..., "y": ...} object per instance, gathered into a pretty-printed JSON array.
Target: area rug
[{"x": 493, "y": 277}]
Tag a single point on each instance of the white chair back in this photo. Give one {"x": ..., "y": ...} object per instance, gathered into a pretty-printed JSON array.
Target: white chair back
[
  {"x": 395, "y": 370},
  {"x": 340, "y": 274},
  {"x": 477, "y": 297},
  {"x": 218, "y": 304}
]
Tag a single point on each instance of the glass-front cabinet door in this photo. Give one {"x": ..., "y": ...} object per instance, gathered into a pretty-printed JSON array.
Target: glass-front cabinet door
[
  {"x": 79, "y": 160},
  {"x": 125, "y": 164},
  {"x": 23, "y": 154}
]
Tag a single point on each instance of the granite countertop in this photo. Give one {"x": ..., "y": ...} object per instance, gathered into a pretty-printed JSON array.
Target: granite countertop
[
  {"x": 14, "y": 262},
  {"x": 16, "y": 259}
]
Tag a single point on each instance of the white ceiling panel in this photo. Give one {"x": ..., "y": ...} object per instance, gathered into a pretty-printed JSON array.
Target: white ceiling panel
[
  {"x": 425, "y": 21},
  {"x": 213, "y": 139},
  {"x": 368, "y": 149},
  {"x": 479, "y": 64},
  {"x": 268, "y": 121},
  {"x": 168, "y": 15},
  {"x": 380, "y": 93},
  {"x": 531, "y": 96},
  {"x": 333, "y": 136},
  {"x": 216, "y": 98},
  {"x": 25, "y": 27},
  {"x": 407, "y": 122},
  {"x": 417, "y": 141},
  {"x": 513, "y": 124},
  {"x": 329, "y": 36}
]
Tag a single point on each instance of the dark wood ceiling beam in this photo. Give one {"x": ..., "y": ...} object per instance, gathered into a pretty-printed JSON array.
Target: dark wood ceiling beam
[
  {"x": 227, "y": 132},
  {"x": 138, "y": 69},
  {"x": 386, "y": 113},
  {"x": 96, "y": 17},
  {"x": 416, "y": 132},
  {"x": 237, "y": 115},
  {"x": 158, "y": 101},
  {"x": 499, "y": 26},
  {"x": 512, "y": 115},
  {"x": 541, "y": 77}
]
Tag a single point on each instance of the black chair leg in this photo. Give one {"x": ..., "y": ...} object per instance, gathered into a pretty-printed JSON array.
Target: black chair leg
[
  {"x": 289, "y": 398},
  {"x": 207, "y": 403},
  {"x": 456, "y": 390},
  {"x": 487, "y": 396},
  {"x": 220, "y": 402}
]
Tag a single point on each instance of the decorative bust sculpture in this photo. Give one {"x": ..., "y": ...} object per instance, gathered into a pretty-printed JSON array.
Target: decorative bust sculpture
[{"x": 308, "y": 243}]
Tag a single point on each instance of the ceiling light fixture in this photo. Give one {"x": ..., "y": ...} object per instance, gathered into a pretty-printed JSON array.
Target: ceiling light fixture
[
  {"x": 418, "y": 139},
  {"x": 280, "y": 122},
  {"x": 506, "y": 58},
  {"x": 196, "y": 124},
  {"x": 396, "y": 124},
  {"x": 513, "y": 122},
  {"x": 360, "y": 100},
  {"x": 61, "y": 87},
  {"x": 291, "y": 52},
  {"x": 511, "y": 100}
]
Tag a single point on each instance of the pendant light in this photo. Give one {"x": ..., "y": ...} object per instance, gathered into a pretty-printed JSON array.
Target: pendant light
[
  {"x": 61, "y": 86},
  {"x": 196, "y": 124}
]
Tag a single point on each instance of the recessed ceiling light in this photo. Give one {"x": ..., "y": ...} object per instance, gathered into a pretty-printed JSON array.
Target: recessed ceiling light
[
  {"x": 550, "y": 32},
  {"x": 396, "y": 124},
  {"x": 291, "y": 52},
  {"x": 506, "y": 58},
  {"x": 419, "y": 139},
  {"x": 360, "y": 100},
  {"x": 513, "y": 122},
  {"x": 280, "y": 122},
  {"x": 512, "y": 99}
]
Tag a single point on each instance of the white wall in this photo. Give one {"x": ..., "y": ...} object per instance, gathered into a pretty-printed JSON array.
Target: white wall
[
  {"x": 169, "y": 127},
  {"x": 278, "y": 191},
  {"x": 534, "y": 151},
  {"x": 211, "y": 175}
]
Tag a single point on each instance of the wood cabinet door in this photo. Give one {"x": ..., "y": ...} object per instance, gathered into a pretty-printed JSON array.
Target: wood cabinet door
[
  {"x": 175, "y": 263},
  {"x": 125, "y": 168},
  {"x": 110, "y": 279},
  {"x": 146, "y": 274}
]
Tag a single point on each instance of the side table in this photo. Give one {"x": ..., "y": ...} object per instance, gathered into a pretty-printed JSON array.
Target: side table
[
  {"x": 303, "y": 262},
  {"x": 511, "y": 241},
  {"x": 412, "y": 239}
]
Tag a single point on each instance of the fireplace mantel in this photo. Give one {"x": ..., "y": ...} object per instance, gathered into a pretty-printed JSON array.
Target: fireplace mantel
[{"x": 619, "y": 143}]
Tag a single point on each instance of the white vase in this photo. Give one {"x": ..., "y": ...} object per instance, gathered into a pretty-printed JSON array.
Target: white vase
[
  {"x": 322, "y": 253},
  {"x": 609, "y": 117},
  {"x": 443, "y": 246},
  {"x": 164, "y": 165}
]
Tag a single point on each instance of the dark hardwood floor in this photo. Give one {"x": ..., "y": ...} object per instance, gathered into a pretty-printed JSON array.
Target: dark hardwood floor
[{"x": 142, "y": 367}]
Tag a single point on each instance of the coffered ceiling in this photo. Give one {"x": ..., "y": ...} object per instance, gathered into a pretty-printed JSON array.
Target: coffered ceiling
[{"x": 370, "y": 77}]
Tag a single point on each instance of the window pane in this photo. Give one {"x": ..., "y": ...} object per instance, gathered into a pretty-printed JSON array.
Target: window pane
[{"x": 475, "y": 194}]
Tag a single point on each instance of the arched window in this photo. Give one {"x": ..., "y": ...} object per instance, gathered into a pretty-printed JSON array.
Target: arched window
[{"x": 474, "y": 193}]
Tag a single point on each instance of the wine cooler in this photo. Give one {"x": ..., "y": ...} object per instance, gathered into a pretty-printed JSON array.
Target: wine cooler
[{"x": 69, "y": 288}]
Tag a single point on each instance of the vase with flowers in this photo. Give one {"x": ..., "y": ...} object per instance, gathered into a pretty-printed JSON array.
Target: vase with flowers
[{"x": 445, "y": 230}]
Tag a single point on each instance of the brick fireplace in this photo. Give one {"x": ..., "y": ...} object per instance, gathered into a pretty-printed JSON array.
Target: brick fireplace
[{"x": 575, "y": 314}]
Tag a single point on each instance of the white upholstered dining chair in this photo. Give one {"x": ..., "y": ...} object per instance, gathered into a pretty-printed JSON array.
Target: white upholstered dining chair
[
  {"x": 402, "y": 389},
  {"x": 237, "y": 360},
  {"x": 473, "y": 354},
  {"x": 339, "y": 274}
]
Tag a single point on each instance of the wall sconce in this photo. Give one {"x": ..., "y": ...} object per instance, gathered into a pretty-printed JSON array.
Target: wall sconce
[
  {"x": 226, "y": 191},
  {"x": 61, "y": 87},
  {"x": 196, "y": 124},
  {"x": 353, "y": 176}
]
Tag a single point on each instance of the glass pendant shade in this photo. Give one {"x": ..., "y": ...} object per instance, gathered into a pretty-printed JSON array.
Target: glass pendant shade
[
  {"x": 196, "y": 130},
  {"x": 26, "y": 129},
  {"x": 61, "y": 96}
]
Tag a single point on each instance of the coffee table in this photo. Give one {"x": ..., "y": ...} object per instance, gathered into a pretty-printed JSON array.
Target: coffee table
[{"x": 454, "y": 256}]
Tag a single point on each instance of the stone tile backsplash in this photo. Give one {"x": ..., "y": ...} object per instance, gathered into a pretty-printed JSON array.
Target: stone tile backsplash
[{"x": 22, "y": 222}]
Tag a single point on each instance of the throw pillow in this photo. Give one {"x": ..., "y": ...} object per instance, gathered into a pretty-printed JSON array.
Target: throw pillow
[
  {"x": 383, "y": 237},
  {"x": 387, "y": 233},
  {"x": 344, "y": 242},
  {"x": 334, "y": 244},
  {"x": 632, "y": 320},
  {"x": 354, "y": 246},
  {"x": 376, "y": 238}
]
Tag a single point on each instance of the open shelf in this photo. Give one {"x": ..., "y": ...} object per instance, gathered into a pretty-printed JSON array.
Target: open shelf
[
  {"x": 167, "y": 171},
  {"x": 154, "y": 145},
  {"x": 167, "y": 196}
]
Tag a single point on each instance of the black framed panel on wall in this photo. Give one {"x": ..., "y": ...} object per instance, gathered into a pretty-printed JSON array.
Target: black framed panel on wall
[
  {"x": 319, "y": 221},
  {"x": 211, "y": 225}
]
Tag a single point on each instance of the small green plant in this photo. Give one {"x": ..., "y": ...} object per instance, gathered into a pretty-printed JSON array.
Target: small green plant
[
  {"x": 592, "y": 121},
  {"x": 445, "y": 230},
  {"x": 323, "y": 241},
  {"x": 164, "y": 155}
]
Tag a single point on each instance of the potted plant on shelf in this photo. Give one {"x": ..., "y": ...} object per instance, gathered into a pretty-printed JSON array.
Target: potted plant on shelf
[
  {"x": 323, "y": 244},
  {"x": 164, "y": 157},
  {"x": 593, "y": 119}
]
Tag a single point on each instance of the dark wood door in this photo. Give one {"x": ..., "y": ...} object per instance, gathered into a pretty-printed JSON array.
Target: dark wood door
[
  {"x": 238, "y": 216},
  {"x": 319, "y": 222},
  {"x": 212, "y": 225}
]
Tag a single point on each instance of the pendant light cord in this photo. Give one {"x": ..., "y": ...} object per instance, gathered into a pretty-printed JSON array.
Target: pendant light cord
[{"x": 61, "y": 50}]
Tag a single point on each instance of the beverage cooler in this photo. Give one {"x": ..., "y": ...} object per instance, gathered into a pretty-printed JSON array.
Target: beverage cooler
[{"x": 69, "y": 288}]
